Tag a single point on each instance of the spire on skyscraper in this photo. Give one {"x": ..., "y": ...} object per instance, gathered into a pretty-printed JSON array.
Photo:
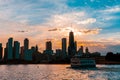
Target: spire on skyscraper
[{"x": 71, "y": 47}]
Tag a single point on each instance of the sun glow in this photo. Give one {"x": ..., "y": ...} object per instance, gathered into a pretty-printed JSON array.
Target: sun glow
[{"x": 68, "y": 29}]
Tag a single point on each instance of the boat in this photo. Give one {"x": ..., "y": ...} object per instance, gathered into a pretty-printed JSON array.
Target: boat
[{"x": 82, "y": 62}]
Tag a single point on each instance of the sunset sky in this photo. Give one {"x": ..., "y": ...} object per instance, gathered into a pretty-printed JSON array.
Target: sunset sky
[{"x": 95, "y": 23}]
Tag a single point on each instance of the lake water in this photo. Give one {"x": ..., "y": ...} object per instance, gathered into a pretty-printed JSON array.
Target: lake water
[{"x": 58, "y": 72}]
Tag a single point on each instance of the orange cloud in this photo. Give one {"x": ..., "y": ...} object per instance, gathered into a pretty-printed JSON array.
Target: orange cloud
[{"x": 90, "y": 31}]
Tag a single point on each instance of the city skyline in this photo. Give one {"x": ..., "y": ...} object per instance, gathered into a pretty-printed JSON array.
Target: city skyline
[
  {"x": 95, "y": 26},
  {"x": 14, "y": 49},
  {"x": 15, "y": 52}
]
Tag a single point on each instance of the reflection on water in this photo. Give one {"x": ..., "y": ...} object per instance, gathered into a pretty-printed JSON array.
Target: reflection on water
[{"x": 58, "y": 72}]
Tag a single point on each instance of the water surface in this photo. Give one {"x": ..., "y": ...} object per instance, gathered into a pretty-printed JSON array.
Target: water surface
[{"x": 58, "y": 72}]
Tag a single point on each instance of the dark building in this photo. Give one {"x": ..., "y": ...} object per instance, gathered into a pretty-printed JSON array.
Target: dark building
[
  {"x": 64, "y": 45},
  {"x": 26, "y": 44},
  {"x": 80, "y": 51},
  {"x": 36, "y": 48},
  {"x": 59, "y": 52},
  {"x": 49, "y": 45},
  {"x": 10, "y": 49},
  {"x": 87, "y": 50},
  {"x": 27, "y": 55},
  {"x": 22, "y": 52},
  {"x": 1, "y": 51},
  {"x": 75, "y": 46},
  {"x": 48, "y": 48},
  {"x": 33, "y": 48},
  {"x": 6, "y": 52},
  {"x": 16, "y": 50},
  {"x": 72, "y": 45}
]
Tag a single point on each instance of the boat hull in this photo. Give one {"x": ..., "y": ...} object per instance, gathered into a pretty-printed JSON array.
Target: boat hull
[
  {"x": 77, "y": 62},
  {"x": 83, "y": 66}
]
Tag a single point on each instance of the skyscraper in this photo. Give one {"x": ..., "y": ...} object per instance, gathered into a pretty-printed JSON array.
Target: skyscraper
[
  {"x": 75, "y": 46},
  {"x": 59, "y": 53},
  {"x": 49, "y": 45},
  {"x": 16, "y": 50},
  {"x": 71, "y": 47},
  {"x": 36, "y": 48},
  {"x": 64, "y": 45},
  {"x": 48, "y": 48},
  {"x": 71, "y": 39},
  {"x": 27, "y": 52},
  {"x": 22, "y": 52},
  {"x": 1, "y": 51},
  {"x": 87, "y": 50},
  {"x": 80, "y": 51},
  {"x": 26, "y": 44},
  {"x": 10, "y": 49},
  {"x": 6, "y": 52}
]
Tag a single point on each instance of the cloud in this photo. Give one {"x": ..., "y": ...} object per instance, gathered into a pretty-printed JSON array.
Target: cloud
[
  {"x": 77, "y": 30},
  {"x": 114, "y": 9},
  {"x": 89, "y": 31},
  {"x": 87, "y": 21},
  {"x": 30, "y": 12},
  {"x": 55, "y": 29},
  {"x": 102, "y": 47},
  {"x": 106, "y": 17},
  {"x": 114, "y": 39},
  {"x": 5, "y": 2},
  {"x": 76, "y": 19},
  {"x": 22, "y": 31}
]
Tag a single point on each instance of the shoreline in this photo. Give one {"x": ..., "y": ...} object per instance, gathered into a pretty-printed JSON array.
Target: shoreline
[
  {"x": 54, "y": 63},
  {"x": 99, "y": 61}
]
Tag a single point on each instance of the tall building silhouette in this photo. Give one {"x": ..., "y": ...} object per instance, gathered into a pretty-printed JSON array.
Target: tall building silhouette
[
  {"x": 49, "y": 45},
  {"x": 36, "y": 48},
  {"x": 80, "y": 51},
  {"x": 16, "y": 50},
  {"x": 27, "y": 52},
  {"x": 72, "y": 45},
  {"x": 64, "y": 45},
  {"x": 48, "y": 48},
  {"x": 87, "y": 50},
  {"x": 22, "y": 52},
  {"x": 59, "y": 52},
  {"x": 26, "y": 44},
  {"x": 75, "y": 43},
  {"x": 1, "y": 51},
  {"x": 6, "y": 52},
  {"x": 10, "y": 49}
]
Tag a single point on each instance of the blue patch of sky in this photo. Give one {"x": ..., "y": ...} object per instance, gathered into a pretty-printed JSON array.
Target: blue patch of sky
[
  {"x": 110, "y": 29},
  {"x": 96, "y": 4}
]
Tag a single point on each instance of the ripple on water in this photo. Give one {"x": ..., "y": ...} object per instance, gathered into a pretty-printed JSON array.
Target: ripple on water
[{"x": 58, "y": 72}]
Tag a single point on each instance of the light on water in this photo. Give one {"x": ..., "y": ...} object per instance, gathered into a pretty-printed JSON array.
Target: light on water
[{"x": 58, "y": 72}]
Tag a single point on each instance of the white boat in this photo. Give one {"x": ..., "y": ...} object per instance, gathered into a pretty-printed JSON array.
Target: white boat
[{"x": 80, "y": 62}]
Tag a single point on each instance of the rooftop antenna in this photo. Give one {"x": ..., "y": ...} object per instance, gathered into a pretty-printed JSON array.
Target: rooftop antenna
[
  {"x": 71, "y": 25},
  {"x": 72, "y": 28}
]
